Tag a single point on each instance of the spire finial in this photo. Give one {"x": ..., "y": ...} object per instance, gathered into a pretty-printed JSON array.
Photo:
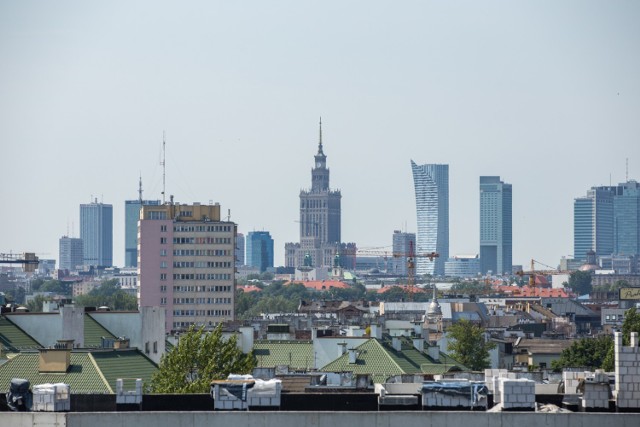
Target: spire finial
[
  {"x": 140, "y": 189},
  {"x": 320, "y": 144}
]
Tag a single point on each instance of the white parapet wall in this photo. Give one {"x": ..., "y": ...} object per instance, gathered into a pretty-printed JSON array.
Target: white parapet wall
[
  {"x": 519, "y": 394},
  {"x": 627, "y": 388}
]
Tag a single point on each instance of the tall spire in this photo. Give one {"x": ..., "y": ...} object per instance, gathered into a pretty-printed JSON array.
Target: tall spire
[{"x": 320, "y": 143}]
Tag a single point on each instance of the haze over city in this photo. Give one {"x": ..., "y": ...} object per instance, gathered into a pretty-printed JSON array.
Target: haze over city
[{"x": 544, "y": 94}]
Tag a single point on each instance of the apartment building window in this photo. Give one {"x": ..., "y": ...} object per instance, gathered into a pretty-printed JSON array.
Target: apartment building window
[
  {"x": 163, "y": 276},
  {"x": 163, "y": 264},
  {"x": 163, "y": 288},
  {"x": 163, "y": 228},
  {"x": 163, "y": 252},
  {"x": 163, "y": 301},
  {"x": 163, "y": 240},
  {"x": 155, "y": 346}
]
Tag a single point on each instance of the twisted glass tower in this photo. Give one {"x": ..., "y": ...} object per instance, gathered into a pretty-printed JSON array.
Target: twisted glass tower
[{"x": 431, "y": 183}]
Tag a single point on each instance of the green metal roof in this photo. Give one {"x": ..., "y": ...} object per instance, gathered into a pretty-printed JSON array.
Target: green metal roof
[
  {"x": 381, "y": 361},
  {"x": 126, "y": 364},
  {"x": 13, "y": 339},
  {"x": 82, "y": 375},
  {"x": 93, "y": 332},
  {"x": 295, "y": 354}
]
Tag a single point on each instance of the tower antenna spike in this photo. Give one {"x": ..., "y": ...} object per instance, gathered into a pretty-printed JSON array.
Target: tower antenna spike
[
  {"x": 140, "y": 189},
  {"x": 163, "y": 163}
]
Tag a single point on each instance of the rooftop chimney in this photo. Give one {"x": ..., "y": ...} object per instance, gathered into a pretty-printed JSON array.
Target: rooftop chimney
[
  {"x": 342, "y": 348},
  {"x": 397, "y": 345},
  {"x": 54, "y": 360},
  {"x": 418, "y": 343},
  {"x": 353, "y": 355},
  {"x": 434, "y": 352}
]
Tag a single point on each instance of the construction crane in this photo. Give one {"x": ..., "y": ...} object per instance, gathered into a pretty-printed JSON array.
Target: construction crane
[
  {"x": 532, "y": 273},
  {"x": 411, "y": 265},
  {"x": 29, "y": 260}
]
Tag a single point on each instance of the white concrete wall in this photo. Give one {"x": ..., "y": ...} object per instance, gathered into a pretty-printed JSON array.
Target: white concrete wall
[
  {"x": 46, "y": 328},
  {"x": 73, "y": 325},
  {"x": 627, "y": 389},
  {"x": 323, "y": 419}
]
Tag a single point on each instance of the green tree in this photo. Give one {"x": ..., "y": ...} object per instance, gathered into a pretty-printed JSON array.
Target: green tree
[
  {"x": 630, "y": 324},
  {"x": 586, "y": 352},
  {"x": 468, "y": 345},
  {"x": 580, "y": 282},
  {"x": 35, "y": 305},
  {"x": 108, "y": 294},
  {"x": 199, "y": 358}
]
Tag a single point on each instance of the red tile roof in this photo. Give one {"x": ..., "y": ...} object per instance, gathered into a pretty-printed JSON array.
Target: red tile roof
[
  {"x": 250, "y": 288},
  {"x": 321, "y": 285}
]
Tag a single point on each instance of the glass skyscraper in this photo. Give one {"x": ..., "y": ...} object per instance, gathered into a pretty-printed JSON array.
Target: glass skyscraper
[
  {"x": 131, "y": 217},
  {"x": 626, "y": 220},
  {"x": 259, "y": 246},
  {"x": 607, "y": 221},
  {"x": 96, "y": 232},
  {"x": 496, "y": 238},
  {"x": 431, "y": 183}
]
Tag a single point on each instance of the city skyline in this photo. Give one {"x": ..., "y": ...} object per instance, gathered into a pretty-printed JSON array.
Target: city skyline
[{"x": 544, "y": 94}]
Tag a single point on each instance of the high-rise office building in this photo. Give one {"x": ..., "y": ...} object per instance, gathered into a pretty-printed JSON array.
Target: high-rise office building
[
  {"x": 403, "y": 244},
  {"x": 240, "y": 250},
  {"x": 259, "y": 246},
  {"x": 320, "y": 232},
  {"x": 431, "y": 183},
  {"x": 607, "y": 221},
  {"x": 70, "y": 253},
  {"x": 186, "y": 264},
  {"x": 593, "y": 223},
  {"x": 626, "y": 219},
  {"x": 131, "y": 217},
  {"x": 96, "y": 232},
  {"x": 496, "y": 238}
]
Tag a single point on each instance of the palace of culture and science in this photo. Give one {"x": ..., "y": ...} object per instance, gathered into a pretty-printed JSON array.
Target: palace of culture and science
[{"x": 320, "y": 244}]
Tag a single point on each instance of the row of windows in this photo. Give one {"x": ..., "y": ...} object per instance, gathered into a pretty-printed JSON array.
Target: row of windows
[
  {"x": 201, "y": 228},
  {"x": 202, "y": 300},
  {"x": 185, "y": 325},
  {"x": 201, "y": 276},
  {"x": 191, "y": 313},
  {"x": 201, "y": 264},
  {"x": 201, "y": 252},
  {"x": 193, "y": 288},
  {"x": 200, "y": 240}
]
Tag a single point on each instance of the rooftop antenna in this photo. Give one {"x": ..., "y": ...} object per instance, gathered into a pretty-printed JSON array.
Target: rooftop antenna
[
  {"x": 140, "y": 189},
  {"x": 162, "y": 163}
]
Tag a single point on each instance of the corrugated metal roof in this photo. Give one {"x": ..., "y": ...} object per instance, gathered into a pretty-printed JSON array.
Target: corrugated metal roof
[
  {"x": 125, "y": 364},
  {"x": 93, "y": 332},
  {"x": 295, "y": 354},
  {"x": 82, "y": 375}
]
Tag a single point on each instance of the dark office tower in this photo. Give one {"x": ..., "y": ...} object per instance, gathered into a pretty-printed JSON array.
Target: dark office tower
[
  {"x": 496, "y": 238},
  {"x": 96, "y": 232},
  {"x": 259, "y": 246}
]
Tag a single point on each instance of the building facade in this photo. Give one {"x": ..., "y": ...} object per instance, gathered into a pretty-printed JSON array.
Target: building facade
[
  {"x": 607, "y": 221},
  {"x": 240, "y": 260},
  {"x": 96, "y": 232},
  {"x": 186, "y": 264},
  {"x": 496, "y": 236},
  {"x": 131, "y": 217},
  {"x": 320, "y": 217},
  {"x": 70, "y": 253},
  {"x": 259, "y": 246},
  {"x": 463, "y": 266},
  {"x": 431, "y": 183},
  {"x": 403, "y": 245}
]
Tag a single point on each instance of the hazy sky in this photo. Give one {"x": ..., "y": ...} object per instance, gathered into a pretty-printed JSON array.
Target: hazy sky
[{"x": 545, "y": 94}]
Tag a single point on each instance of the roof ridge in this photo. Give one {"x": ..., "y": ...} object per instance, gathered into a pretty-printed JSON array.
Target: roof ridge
[
  {"x": 88, "y": 314},
  {"x": 102, "y": 377},
  {"x": 386, "y": 351}
]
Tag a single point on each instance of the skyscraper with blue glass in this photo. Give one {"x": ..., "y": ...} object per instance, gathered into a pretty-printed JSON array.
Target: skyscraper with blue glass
[
  {"x": 259, "y": 245},
  {"x": 607, "y": 221},
  {"x": 96, "y": 232},
  {"x": 431, "y": 183},
  {"x": 496, "y": 238}
]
